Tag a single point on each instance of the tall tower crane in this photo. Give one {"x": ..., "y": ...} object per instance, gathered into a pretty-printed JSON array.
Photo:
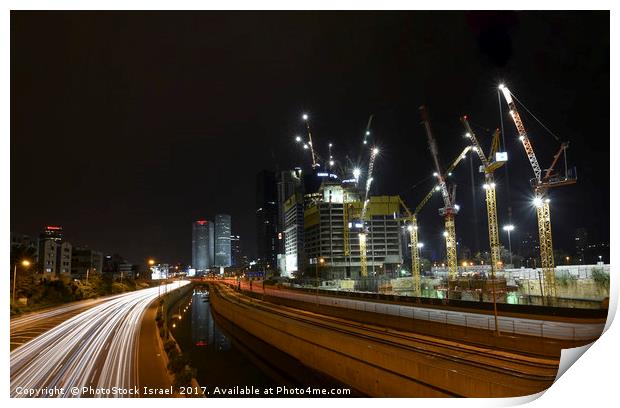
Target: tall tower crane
[
  {"x": 412, "y": 217},
  {"x": 450, "y": 209},
  {"x": 306, "y": 120},
  {"x": 541, "y": 184},
  {"x": 362, "y": 235},
  {"x": 489, "y": 165}
]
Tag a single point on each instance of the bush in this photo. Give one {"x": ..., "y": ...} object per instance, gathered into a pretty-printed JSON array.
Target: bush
[
  {"x": 169, "y": 345},
  {"x": 600, "y": 277},
  {"x": 173, "y": 353},
  {"x": 183, "y": 379},
  {"x": 178, "y": 363}
]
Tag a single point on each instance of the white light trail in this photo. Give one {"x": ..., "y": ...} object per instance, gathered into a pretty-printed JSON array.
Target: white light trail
[{"x": 94, "y": 348}]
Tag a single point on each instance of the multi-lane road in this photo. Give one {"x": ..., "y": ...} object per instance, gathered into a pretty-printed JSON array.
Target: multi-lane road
[{"x": 95, "y": 349}]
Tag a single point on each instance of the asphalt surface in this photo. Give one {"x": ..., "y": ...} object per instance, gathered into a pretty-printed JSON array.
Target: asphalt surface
[{"x": 89, "y": 354}]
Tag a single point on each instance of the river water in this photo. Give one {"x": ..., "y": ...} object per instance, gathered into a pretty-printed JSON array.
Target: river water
[{"x": 226, "y": 356}]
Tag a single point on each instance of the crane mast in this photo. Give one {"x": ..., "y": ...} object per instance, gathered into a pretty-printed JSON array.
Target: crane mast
[
  {"x": 413, "y": 226},
  {"x": 362, "y": 235},
  {"x": 450, "y": 209},
  {"x": 489, "y": 167},
  {"x": 541, "y": 201}
]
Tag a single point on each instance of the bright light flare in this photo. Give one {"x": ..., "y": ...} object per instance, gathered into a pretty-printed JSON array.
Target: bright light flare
[
  {"x": 375, "y": 151},
  {"x": 509, "y": 227},
  {"x": 304, "y": 116},
  {"x": 298, "y": 139},
  {"x": 357, "y": 172}
]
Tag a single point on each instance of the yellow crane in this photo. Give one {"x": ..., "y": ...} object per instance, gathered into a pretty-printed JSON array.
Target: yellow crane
[
  {"x": 541, "y": 184},
  {"x": 450, "y": 208},
  {"x": 364, "y": 230},
  {"x": 489, "y": 165},
  {"x": 412, "y": 217}
]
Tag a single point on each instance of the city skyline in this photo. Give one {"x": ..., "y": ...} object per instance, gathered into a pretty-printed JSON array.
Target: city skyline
[{"x": 154, "y": 153}]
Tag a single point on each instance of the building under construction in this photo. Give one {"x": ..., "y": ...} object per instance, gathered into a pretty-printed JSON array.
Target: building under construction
[{"x": 332, "y": 222}]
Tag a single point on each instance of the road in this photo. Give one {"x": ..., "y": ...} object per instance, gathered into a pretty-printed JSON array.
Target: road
[
  {"x": 27, "y": 327},
  {"x": 96, "y": 348}
]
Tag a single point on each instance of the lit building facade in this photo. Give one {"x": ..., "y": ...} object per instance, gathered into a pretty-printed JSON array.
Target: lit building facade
[
  {"x": 203, "y": 246},
  {"x": 324, "y": 232},
  {"x": 266, "y": 220},
  {"x": 222, "y": 240},
  {"x": 54, "y": 253},
  {"x": 235, "y": 250}
]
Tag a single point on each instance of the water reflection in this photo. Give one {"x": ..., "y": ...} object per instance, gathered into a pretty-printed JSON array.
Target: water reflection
[
  {"x": 204, "y": 330},
  {"x": 227, "y": 356}
]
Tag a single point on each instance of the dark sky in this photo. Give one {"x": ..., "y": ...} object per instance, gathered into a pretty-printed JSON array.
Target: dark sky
[{"x": 127, "y": 126}]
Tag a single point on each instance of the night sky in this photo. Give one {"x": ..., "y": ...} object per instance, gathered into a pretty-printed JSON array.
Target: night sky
[{"x": 126, "y": 127}]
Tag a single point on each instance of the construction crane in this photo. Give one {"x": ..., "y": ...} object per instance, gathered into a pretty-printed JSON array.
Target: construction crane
[
  {"x": 364, "y": 230},
  {"x": 306, "y": 120},
  {"x": 489, "y": 165},
  {"x": 450, "y": 209},
  {"x": 346, "y": 207},
  {"x": 412, "y": 217},
  {"x": 541, "y": 184}
]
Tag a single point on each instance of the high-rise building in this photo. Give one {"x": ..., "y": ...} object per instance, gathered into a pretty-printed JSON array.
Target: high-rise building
[
  {"x": 222, "y": 241},
  {"x": 54, "y": 252},
  {"x": 293, "y": 234},
  {"x": 203, "y": 246},
  {"x": 266, "y": 219},
  {"x": 324, "y": 234},
  {"x": 235, "y": 250},
  {"x": 85, "y": 262},
  {"x": 581, "y": 245}
]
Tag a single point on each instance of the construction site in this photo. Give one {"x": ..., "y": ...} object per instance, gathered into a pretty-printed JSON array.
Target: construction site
[{"x": 342, "y": 235}]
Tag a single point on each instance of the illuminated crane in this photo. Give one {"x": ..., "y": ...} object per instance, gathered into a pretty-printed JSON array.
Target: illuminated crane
[
  {"x": 413, "y": 226},
  {"x": 362, "y": 235},
  {"x": 315, "y": 162},
  {"x": 489, "y": 164},
  {"x": 541, "y": 184},
  {"x": 450, "y": 209}
]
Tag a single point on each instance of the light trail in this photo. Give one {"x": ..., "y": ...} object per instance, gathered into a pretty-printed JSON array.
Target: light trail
[{"x": 95, "y": 348}]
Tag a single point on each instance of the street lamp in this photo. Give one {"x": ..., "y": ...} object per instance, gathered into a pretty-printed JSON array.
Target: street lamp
[
  {"x": 25, "y": 263},
  {"x": 320, "y": 261},
  {"x": 508, "y": 228}
]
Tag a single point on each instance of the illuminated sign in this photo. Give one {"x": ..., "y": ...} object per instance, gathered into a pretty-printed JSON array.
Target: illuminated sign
[
  {"x": 53, "y": 228},
  {"x": 201, "y": 222},
  {"x": 501, "y": 156},
  {"x": 350, "y": 181},
  {"x": 327, "y": 175},
  {"x": 279, "y": 235}
]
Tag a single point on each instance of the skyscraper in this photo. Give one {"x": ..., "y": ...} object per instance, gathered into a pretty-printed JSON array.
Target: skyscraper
[
  {"x": 202, "y": 245},
  {"x": 266, "y": 219},
  {"x": 222, "y": 240},
  {"x": 235, "y": 250}
]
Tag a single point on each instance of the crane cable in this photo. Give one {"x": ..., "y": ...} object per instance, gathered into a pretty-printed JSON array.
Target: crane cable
[{"x": 537, "y": 120}]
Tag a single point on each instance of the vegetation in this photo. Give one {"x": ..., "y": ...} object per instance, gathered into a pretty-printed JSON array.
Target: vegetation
[
  {"x": 600, "y": 277},
  {"x": 43, "y": 292}
]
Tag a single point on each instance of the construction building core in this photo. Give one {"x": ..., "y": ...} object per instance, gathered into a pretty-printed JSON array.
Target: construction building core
[{"x": 333, "y": 228}]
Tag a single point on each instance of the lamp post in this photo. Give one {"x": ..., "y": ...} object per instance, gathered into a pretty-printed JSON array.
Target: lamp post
[
  {"x": 25, "y": 263},
  {"x": 318, "y": 261},
  {"x": 508, "y": 228}
]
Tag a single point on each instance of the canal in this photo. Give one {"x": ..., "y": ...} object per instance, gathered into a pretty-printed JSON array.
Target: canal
[{"x": 226, "y": 356}]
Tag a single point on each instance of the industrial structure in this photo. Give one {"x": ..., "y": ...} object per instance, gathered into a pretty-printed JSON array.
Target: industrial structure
[
  {"x": 349, "y": 233},
  {"x": 541, "y": 183}
]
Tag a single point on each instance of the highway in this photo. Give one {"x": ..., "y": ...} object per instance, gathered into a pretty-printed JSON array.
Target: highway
[
  {"x": 96, "y": 348},
  {"x": 25, "y": 328}
]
